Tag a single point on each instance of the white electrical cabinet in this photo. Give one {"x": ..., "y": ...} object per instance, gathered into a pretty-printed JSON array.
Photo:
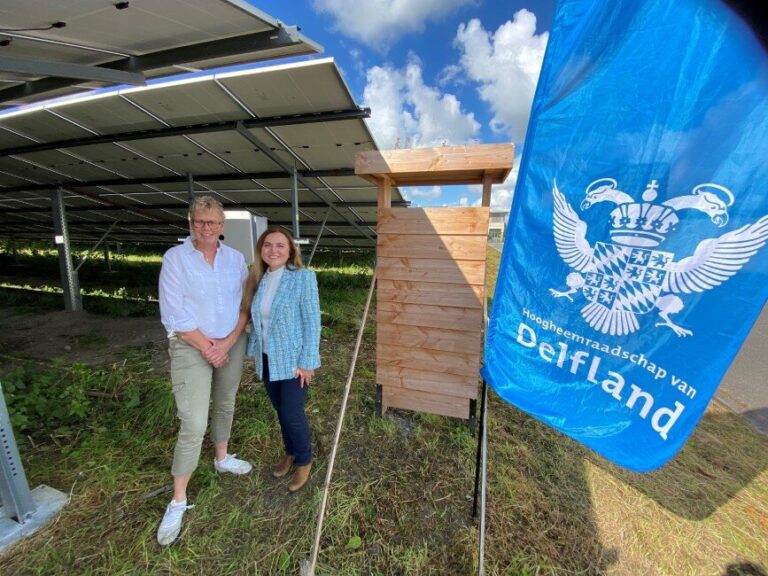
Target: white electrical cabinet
[{"x": 241, "y": 231}]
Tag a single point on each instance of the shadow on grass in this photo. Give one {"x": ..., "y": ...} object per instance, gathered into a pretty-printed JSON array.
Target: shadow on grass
[
  {"x": 758, "y": 418},
  {"x": 37, "y": 301},
  {"x": 744, "y": 569},
  {"x": 722, "y": 457},
  {"x": 540, "y": 511}
]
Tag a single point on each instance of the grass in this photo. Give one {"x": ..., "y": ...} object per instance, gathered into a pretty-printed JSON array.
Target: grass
[
  {"x": 493, "y": 259},
  {"x": 401, "y": 497}
]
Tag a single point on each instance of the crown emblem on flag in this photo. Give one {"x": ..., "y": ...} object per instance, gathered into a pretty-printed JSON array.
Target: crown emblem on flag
[
  {"x": 643, "y": 224},
  {"x": 646, "y": 224}
]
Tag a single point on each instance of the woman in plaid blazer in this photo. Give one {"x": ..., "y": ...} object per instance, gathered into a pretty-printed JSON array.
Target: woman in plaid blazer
[{"x": 283, "y": 301}]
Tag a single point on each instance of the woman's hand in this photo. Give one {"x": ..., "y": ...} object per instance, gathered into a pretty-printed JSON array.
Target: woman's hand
[
  {"x": 218, "y": 353},
  {"x": 304, "y": 376}
]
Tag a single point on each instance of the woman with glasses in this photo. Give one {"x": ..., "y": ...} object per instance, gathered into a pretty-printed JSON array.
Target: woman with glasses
[
  {"x": 283, "y": 299},
  {"x": 201, "y": 283}
]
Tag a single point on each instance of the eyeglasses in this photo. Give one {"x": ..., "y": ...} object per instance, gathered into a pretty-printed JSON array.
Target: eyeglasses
[{"x": 205, "y": 223}]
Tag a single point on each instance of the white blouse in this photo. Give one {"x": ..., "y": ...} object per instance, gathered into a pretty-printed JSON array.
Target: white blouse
[
  {"x": 194, "y": 294},
  {"x": 270, "y": 282}
]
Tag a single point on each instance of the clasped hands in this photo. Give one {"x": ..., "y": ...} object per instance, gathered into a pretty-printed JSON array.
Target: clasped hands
[{"x": 217, "y": 354}]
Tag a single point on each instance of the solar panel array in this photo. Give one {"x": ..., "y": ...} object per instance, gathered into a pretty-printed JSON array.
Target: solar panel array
[
  {"x": 52, "y": 48},
  {"x": 127, "y": 160}
]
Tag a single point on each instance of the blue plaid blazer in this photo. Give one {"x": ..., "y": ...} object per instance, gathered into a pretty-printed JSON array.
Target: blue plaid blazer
[{"x": 294, "y": 326}]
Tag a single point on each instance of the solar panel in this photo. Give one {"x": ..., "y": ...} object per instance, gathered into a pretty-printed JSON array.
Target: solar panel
[
  {"x": 129, "y": 155},
  {"x": 49, "y": 49}
]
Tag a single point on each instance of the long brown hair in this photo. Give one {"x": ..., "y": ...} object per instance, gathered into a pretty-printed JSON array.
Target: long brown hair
[{"x": 259, "y": 267}]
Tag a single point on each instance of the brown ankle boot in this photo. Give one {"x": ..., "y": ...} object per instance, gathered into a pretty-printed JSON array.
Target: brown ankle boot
[
  {"x": 300, "y": 477},
  {"x": 283, "y": 466}
]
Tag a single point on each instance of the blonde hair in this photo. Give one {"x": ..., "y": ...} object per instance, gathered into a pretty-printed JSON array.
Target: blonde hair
[
  {"x": 259, "y": 267},
  {"x": 203, "y": 203}
]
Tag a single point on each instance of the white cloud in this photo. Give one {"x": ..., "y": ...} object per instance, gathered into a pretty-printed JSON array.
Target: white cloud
[
  {"x": 407, "y": 113},
  {"x": 506, "y": 66},
  {"x": 379, "y": 23},
  {"x": 452, "y": 74},
  {"x": 431, "y": 193},
  {"x": 357, "y": 60}
]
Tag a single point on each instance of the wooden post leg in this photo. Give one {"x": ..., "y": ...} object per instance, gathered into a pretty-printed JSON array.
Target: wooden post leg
[
  {"x": 384, "y": 201},
  {"x": 385, "y": 192},
  {"x": 486, "y": 190}
]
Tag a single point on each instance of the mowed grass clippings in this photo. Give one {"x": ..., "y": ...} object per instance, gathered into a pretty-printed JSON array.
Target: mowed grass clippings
[
  {"x": 401, "y": 496},
  {"x": 706, "y": 512}
]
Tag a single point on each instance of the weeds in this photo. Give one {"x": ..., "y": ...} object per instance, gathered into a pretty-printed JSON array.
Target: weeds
[
  {"x": 401, "y": 495},
  {"x": 58, "y": 396}
]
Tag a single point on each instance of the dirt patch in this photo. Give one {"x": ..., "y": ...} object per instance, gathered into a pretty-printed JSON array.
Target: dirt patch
[{"x": 74, "y": 336}]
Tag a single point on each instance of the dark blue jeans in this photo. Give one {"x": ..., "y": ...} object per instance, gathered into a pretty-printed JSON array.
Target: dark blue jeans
[{"x": 287, "y": 396}]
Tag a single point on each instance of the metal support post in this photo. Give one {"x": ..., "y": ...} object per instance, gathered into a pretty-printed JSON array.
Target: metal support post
[
  {"x": 319, "y": 235},
  {"x": 482, "y": 478},
  {"x": 479, "y": 462},
  {"x": 106, "y": 257},
  {"x": 481, "y": 465},
  {"x": 69, "y": 279},
  {"x": 379, "y": 400},
  {"x": 190, "y": 188},
  {"x": 22, "y": 511},
  {"x": 14, "y": 251},
  {"x": 295, "y": 203},
  {"x": 95, "y": 246},
  {"x": 14, "y": 490}
]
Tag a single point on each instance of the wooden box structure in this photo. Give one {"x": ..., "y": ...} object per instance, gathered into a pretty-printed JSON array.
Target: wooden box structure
[{"x": 431, "y": 277}]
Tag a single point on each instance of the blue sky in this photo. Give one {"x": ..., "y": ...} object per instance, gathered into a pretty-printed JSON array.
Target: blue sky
[{"x": 434, "y": 71}]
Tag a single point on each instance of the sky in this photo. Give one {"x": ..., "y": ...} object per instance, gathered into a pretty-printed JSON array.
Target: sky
[{"x": 434, "y": 72}]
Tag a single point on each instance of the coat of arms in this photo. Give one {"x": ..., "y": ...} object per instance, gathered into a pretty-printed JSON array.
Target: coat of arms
[{"x": 630, "y": 276}]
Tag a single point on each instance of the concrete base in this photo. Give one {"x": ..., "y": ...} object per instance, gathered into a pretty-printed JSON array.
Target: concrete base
[{"x": 48, "y": 502}]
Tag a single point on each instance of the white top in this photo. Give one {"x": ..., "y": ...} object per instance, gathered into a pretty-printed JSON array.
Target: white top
[
  {"x": 270, "y": 281},
  {"x": 195, "y": 295}
]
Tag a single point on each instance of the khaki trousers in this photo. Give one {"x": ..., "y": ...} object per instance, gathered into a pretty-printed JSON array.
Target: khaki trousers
[{"x": 191, "y": 378}]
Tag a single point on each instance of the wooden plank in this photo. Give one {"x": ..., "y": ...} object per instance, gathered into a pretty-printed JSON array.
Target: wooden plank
[
  {"x": 441, "y": 221},
  {"x": 429, "y": 270},
  {"x": 487, "y": 181},
  {"x": 385, "y": 192},
  {"x": 427, "y": 381},
  {"x": 443, "y": 165},
  {"x": 463, "y": 177},
  {"x": 425, "y": 402},
  {"x": 429, "y": 293},
  {"x": 429, "y": 338},
  {"x": 437, "y": 361},
  {"x": 439, "y": 247},
  {"x": 402, "y": 314}
]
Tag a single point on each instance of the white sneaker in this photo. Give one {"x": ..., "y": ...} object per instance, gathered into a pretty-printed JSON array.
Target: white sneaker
[
  {"x": 232, "y": 464},
  {"x": 170, "y": 525}
]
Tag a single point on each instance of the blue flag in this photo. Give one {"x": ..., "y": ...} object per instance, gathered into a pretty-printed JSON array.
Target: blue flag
[{"x": 635, "y": 264}]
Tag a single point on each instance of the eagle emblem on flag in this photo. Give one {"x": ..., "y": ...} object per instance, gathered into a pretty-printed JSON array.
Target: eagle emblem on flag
[{"x": 629, "y": 276}]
